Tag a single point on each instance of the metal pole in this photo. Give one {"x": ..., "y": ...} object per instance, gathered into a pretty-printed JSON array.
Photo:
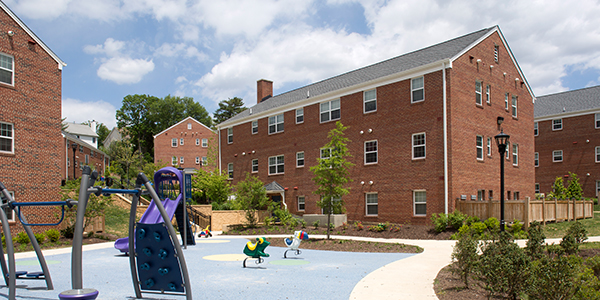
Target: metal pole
[
  {"x": 503, "y": 147},
  {"x": 74, "y": 177}
]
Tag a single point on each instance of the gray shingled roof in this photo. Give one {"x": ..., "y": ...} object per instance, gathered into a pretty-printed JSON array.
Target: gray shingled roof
[
  {"x": 567, "y": 102},
  {"x": 274, "y": 186},
  {"x": 80, "y": 129},
  {"x": 445, "y": 50}
]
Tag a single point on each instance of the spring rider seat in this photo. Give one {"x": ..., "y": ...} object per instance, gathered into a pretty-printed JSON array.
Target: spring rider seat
[
  {"x": 294, "y": 243},
  {"x": 256, "y": 250}
]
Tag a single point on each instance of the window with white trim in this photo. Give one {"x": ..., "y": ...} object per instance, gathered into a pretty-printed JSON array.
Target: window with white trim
[
  {"x": 488, "y": 98},
  {"x": 254, "y": 127},
  {"x": 204, "y": 161},
  {"x": 197, "y": 142},
  {"x": 204, "y": 143},
  {"x": 372, "y": 204},
  {"x": 325, "y": 153},
  {"x": 597, "y": 121},
  {"x": 10, "y": 214},
  {"x": 7, "y": 138},
  {"x": 557, "y": 124},
  {"x": 489, "y": 146},
  {"x": 174, "y": 160},
  {"x": 536, "y": 159},
  {"x": 300, "y": 115},
  {"x": 479, "y": 147},
  {"x": 276, "y": 124},
  {"x": 87, "y": 159},
  {"x": 276, "y": 165},
  {"x": 535, "y": 129},
  {"x": 480, "y": 195},
  {"x": 598, "y": 154},
  {"x": 181, "y": 160},
  {"x": 597, "y": 188},
  {"x": 557, "y": 155},
  {"x": 301, "y": 203},
  {"x": 230, "y": 170},
  {"x": 478, "y": 92},
  {"x": 514, "y": 106},
  {"x": 255, "y": 165},
  {"x": 506, "y": 101},
  {"x": 7, "y": 69},
  {"x": 418, "y": 145},
  {"x": 229, "y": 135},
  {"x": 371, "y": 152},
  {"x": 420, "y": 203},
  {"x": 370, "y": 101},
  {"x": 181, "y": 141},
  {"x": 299, "y": 159},
  {"x": 174, "y": 142},
  {"x": 537, "y": 188},
  {"x": 333, "y": 200},
  {"x": 417, "y": 88},
  {"x": 189, "y": 125},
  {"x": 507, "y": 150},
  {"x": 515, "y": 154},
  {"x": 197, "y": 160},
  {"x": 330, "y": 110}
]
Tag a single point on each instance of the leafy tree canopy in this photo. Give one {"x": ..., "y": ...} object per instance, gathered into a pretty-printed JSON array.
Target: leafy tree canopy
[{"x": 228, "y": 108}]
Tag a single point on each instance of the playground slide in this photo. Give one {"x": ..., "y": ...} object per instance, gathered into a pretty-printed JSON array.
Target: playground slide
[{"x": 151, "y": 216}]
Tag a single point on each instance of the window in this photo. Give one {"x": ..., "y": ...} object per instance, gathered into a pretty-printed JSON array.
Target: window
[
  {"x": 181, "y": 160},
  {"x": 7, "y": 140},
  {"x": 371, "y": 203},
  {"x": 189, "y": 125},
  {"x": 417, "y": 89},
  {"x": 557, "y": 155},
  {"x": 204, "y": 161},
  {"x": 7, "y": 210},
  {"x": 478, "y": 92},
  {"x": 370, "y": 152},
  {"x": 254, "y": 127},
  {"x": 81, "y": 148},
  {"x": 93, "y": 139},
  {"x": 276, "y": 165},
  {"x": 276, "y": 124},
  {"x": 516, "y": 195},
  {"x": 488, "y": 98},
  {"x": 204, "y": 143},
  {"x": 174, "y": 142},
  {"x": 6, "y": 69},
  {"x": 299, "y": 159},
  {"x": 229, "y": 135},
  {"x": 420, "y": 203},
  {"x": 87, "y": 159},
  {"x": 496, "y": 48},
  {"x": 597, "y": 120},
  {"x": 507, "y": 195},
  {"x": 507, "y": 150},
  {"x": 333, "y": 200},
  {"x": 299, "y": 115},
  {"x": 301, "y": 203},
  {"x": 174, "y": 160},
  {"x": 537, "y": 188},
  {"x": 254, "y": 165},
  {"x": 515, "y": 154},
  {"x": 230, "y": 170},
  {"x": 598, "y": 154},
  {"x": 489, "y": 146},
  {"x": 557, "y": 124},
  {"x": 197, "y": 142},
  {"x": 536, "y": 159},
  {"x": 330, "y": 110},
  {"x": 514, "y": 106},
  {"x": 479, "y": 147},
  {"x": 535, "y": 129},
  {"x": 597, "y": 188},
  {"x": 197, "y": 160},
  {"x": 181, "y": 141},
  {"x": 418, "y": 145},
  {"x": 370, "y": 101},
  {"x": 506, "y": 101},
  {"x": 490, "y": 194},
  {"x": 325, "y": 153},
  {"x": 480, "y": 195}
]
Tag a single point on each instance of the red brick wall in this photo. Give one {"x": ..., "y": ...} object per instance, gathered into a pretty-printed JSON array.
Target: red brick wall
[
  {"x": 578, "y": 140},
  {"x": 33, "y": 106},
  {"x": 163, "y": 151},
  {"x": 97, "y": 161}
]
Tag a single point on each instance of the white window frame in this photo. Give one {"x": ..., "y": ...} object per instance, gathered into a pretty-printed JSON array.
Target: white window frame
[
  {"x": 370, "y": 150},
  {"x": 197, "y": 160},
  {"x": 181, "y": 160},
  {"x": 10, "y": 213},
  {"x": 370, "y": 203},
  {"x": 369, "y": 97},
  {"x": 507, "y": 152},
  {"x": 204, "y": 143},
  {"x": 536, "y": 159},
  {"x": 424, "y": 145},
  {"x": 87, "y": 159},
  {"x": 597, "y": 188},
  {"x": 478, "y": 96},
  {"x": 255, "y": 127},
  {"x": 598, "y": 154},
  {"x": 557, "y": 124},
  {"x": 479, "y": 147},
  {"x": 416, "y": 88},
  {"x": 514, "y": 106},
  {"x": 515, "y": 154},
  {"x": 489, "y": 146},
  {"x": 255, "y": 165},
  {"x": 300, "y": 160},
  {"x": 276, "y": 124},
  {"x": 181, "y": 141},
  {"x": 230, "y": 171},
  {"x": 597, "y": 121},
  {"x": 189, "y": 126},
  {"x": 506, "y": 101},
  {"x": 300, "y": 115},
  {"x": 276, "y": 162},
  {"x": 536, "y": 130},
  {"x": 556, "y": 154},
  {"x": 229, "y": 135},
  {"x": 327, "y": 109},
  {"x": 301, "y": 203},
  {"x": 197, "y": 142},
  {"x": 204, "y": 161},
  {"x": 174, "y": 143},
  {"x": 323, "y": 154},
  {"x": 488, "y": 92},
  {"x": 480, "y": 195},
  {"x": 4, "y": 132},
  {"x": 536, "y": 188},
  {"x": 8, "y": 66},
  {"x": 419, "y": 203},
  {"x": 173, "y": 160}
]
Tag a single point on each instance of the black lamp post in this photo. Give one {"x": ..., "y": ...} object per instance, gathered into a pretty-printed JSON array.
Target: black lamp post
[
  {"x": 502, "y": 142},
  {"x": 74, "y": 146}
]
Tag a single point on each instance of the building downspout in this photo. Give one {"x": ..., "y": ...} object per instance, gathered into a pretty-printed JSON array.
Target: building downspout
[
  {"x": 445, "y": 140},
  {"x": 219, "y": 150}
]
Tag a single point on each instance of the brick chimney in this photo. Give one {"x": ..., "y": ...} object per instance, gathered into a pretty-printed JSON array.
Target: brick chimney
[{"x": 264, "y": 90}]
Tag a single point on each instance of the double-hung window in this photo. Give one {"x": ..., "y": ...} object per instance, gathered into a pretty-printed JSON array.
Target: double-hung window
[
  {"x": 478, "y": 92},
  {"x": 299, "y": 159},
  {"x": 370, "y": 152},
  {"x": 506, "y": 101},
  {"x": 417, "y": 89},
  {"x": 514, "y": 106},
  {"x": 515, "y": 154},
  {"x": 371, "y": 204},
  {"x": 370, "y": 101},
  {"x": 204, "y": 161},
  {"x": 276, "y": 165},
  {"x": 598, "y": 154},
  {"x": 254, "y": 165},
  {"x": 204, "y": 143},
  {"x": 174, "y": 142},
  {"x": 229, "y": 135},
  {"x": 189, "y": 126},
  {"x": 276, "y": 124},
  {"x": 537, "y": 188},
  {"x": 7, "y": 69},
  {"x": 254, "y": 127},
  {"x": 10, "y": 215},
  {"x": 197, "y": 160},
  {"x": 488, "y": 90},
  {"x": 330, "y": 110},
  {"x": 535, "y": 129},
  {"x": 299, "y": 115},
  {"x": 301, "y": 203},
  {"x": 420, "y": 203},
  {"x": 230, "y": 170},
  {"x": 597, "y": 121},
  {"x": 536, "y": 159},
  {"x": 557, "y": 124},
  {"x": 197, "y": 142},
  {"x": 181, "y": 141},
  {"x": 174, "y": 160},
  {"x": 7, "y": 140},
  {"x": 557, "y": 155},
  {"x": 479, "y": 147},
  {"x": 489, "y": 146},
  {"x": 418, "y": 145}
]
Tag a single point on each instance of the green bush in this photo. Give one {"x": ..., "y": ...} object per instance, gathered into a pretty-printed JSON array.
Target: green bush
[
  {"x": 302, "y": 223},
  {"x": 576, "y": 234},
  {"x": 471, "y": 219},
  {"x": 536, "y": 241},
  {"x": 493, "y": 225},
  {"x": 40, "y": 238},
  {"x": 53, "y": 235},
  {"x": 456, "y": 219},
  {"x": 316, "y": 224},
  {"x": 22, "y": 238},
  {"x": 554, "y": 277},
  {"x": 464, "y": 256},
  {"x": 516, "y": 229},
  {"x": 440, "y": 222},
  {"x": 478, "y": 228}
]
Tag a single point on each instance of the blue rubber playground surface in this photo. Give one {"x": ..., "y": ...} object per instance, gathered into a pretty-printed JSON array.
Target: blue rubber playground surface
[{"x": 216, "y": 272}]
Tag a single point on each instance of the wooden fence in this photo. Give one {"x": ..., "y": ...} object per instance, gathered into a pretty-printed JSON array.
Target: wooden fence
[{"x": 527, "y": 211}]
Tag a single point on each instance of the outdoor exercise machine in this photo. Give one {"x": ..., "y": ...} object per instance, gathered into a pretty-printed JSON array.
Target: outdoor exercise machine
[
  {"x": 256, "y": 250},
  {"x": 294, "y": 243}
]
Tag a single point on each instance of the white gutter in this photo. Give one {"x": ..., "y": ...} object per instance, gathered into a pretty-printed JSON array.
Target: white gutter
[
  {"x": 219, "y": 150},
  {"x": 445, "y": 140}
]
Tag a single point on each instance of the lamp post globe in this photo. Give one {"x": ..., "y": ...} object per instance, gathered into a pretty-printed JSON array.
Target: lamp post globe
[{"x": 502, "y": 142}]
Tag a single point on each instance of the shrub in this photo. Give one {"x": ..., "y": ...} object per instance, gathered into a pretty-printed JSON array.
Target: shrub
[
  {"x": 464, "y": 256},
  {"x": 53, "y": 235},
  {"x": 478, "y": 228},
  {"x": 40, "y": 238},
  {"x": 554, "y": 277},
  {"x": 316, "y": 224},
  {"x": 576, "y": 234},
  {"x": 22, "y": 238},
  {"x": 535, "y": 243},
  {"x": 493, "y": 225},
  {"x": 303, "y": 223},
  {"x": 358, "y": 225},
  {"x": 594, "y": 264},
  {"x": 456, "y": 219},
  {"x": 293, "y": 223},
  {"x": 440, "y": 222},
  {"x": 516, "y": 229},
  {"x": 471, "y": 219}
]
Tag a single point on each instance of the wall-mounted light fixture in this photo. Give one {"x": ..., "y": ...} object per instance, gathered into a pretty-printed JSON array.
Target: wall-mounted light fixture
[
  {"x": 371, "y": 182},
  {"x": 10, "y": 33}
]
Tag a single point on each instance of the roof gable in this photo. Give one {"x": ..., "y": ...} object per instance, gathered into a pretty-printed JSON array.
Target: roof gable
[
  {"x": 80, "y": 129},
  {"x": 569, "y": 102},
  {"x": 182, "y": 121}
]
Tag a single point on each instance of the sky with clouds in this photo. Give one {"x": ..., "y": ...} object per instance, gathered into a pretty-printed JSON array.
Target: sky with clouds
[{"x": 214, "y": 50}]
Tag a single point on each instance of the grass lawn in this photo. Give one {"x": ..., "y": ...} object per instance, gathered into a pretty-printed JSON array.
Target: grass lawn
[
  {"x": 116, "y": 220},
  {"x": 558, "y": 230}
]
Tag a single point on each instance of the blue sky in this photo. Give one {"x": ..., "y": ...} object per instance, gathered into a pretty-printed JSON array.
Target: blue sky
[{"x": 214, "y": 50}]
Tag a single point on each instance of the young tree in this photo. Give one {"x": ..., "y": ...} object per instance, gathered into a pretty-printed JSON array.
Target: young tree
[
  {"x": 214, "y": 187},
  {"x": 228, "y": 109},
  {"x": 332, "y": 173},
  {"x": 574, "y": 190},
  {"x": 558, "y": 189},
  {"x": 251, "y": 195}
]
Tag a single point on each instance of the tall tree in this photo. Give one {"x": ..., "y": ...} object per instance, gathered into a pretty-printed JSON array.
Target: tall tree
[
  {"x": 135, "y": 116},
  {"x": 332, "y": 173},
  {"x": 170, "y": 110},
  {"x": 228, "y": 108},
  {"x": 102, "y": 132}
]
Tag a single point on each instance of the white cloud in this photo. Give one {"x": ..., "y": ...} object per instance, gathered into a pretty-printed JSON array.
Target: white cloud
[
  {"x": 123, "y": 70},
  {"x": 180, "y": 49},
  {"x": 80, "y": 111}
]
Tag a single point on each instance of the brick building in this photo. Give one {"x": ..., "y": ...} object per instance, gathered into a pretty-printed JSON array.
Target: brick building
[
  {"x": 186, "y": 144},
  {"x": 567, "y": 139},
  {"x": 30, "y": 115},
  {"x": 84, "y": 155},
  {"x": 421, "y": 127}
]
